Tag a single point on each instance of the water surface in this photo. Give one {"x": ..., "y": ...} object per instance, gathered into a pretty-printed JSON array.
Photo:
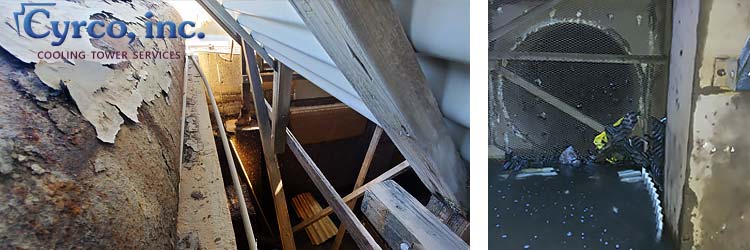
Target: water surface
[{"x": 580, "y": 208}]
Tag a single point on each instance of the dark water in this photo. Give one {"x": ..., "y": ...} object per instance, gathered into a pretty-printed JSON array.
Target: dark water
[{"x": 580, "y": 208}]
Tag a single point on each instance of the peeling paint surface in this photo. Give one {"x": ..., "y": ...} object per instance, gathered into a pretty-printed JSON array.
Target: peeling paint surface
[
  {"x": 104, "y": 90},
  {"x": 62, "y": 187}
]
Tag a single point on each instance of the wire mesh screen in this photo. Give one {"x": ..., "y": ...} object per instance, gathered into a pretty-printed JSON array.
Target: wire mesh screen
[{"x": 533, "y": 126}]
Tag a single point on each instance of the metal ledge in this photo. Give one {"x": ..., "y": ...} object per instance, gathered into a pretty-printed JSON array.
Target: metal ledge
[{"x": 579, "y": 57}]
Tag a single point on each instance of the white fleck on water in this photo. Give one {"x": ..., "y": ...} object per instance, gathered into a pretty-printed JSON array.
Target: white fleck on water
[
  {"x": 579, "y": 13},
  {"x": 638, "y": 19}
]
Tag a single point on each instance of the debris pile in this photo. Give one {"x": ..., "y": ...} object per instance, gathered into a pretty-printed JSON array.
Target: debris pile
[{"x": 614, "y": 146}]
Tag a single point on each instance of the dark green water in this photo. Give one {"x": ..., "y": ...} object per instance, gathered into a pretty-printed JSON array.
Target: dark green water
[{"x": 580, "y": 208}]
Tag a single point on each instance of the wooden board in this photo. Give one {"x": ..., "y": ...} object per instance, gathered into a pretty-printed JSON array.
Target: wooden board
[
  {"x": 203, "y": 211},
  {"x": 306, "y": 206},
  {"x": 450, "y": 217},
  {"x": 403, "y": 222}
]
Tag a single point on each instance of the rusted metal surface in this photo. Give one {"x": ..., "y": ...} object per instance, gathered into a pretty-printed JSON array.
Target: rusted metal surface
[{"x": 62, "y": 188}]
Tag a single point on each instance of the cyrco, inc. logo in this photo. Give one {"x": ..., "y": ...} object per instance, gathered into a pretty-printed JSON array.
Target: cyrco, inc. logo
[{"x": 115, "y": 29}]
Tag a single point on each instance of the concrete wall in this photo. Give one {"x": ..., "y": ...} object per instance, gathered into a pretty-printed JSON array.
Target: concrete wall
[
  {"x": 224, "y": 74},
  {"x": 708, "y": 146}
]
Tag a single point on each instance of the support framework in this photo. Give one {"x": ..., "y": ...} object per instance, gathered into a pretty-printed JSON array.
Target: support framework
[
  {"x": 282, "y": 97},
  {"x": 346, "y": 215},
  {"x": 409, "y": 111},
  {"x": 272, "y": 162},
  {"x": 360, "y": 180},
  {"x": 390, "y": 174},
  {"x": 357, "y": 230},
  {"x": 368, "y": 44}
]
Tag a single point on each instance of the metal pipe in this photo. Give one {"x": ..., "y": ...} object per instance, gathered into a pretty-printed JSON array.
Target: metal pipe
[{"x": 230, "y": 160}]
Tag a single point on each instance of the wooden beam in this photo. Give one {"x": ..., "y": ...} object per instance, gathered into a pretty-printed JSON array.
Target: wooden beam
[
  {"x": 455, "y": 221},
  {"x": 686, "y": 52},
  {"x": 282, "y": 97},
  {"x": 247, "y": 110},
  {"x": 523, "y": 19},
  {"x": 368, "y": 44},
  {"x": 360, "y": 180},
  {"x": 232, "y": 27},
  {"x": 207, "y": 218},
  {"x": 250, "y": 235},
  {"x": 404, "y": 223},
  {"x": 357, "y": 230},
  {"x": 393, "y": 172},
  {"x": 578, "y": 57},
  {"x": 552, "y": 100},
  {"x": 272, "y": 163}
]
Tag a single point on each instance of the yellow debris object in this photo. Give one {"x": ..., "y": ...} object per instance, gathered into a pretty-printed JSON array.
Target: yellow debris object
[{"x": 601, "y": 140}]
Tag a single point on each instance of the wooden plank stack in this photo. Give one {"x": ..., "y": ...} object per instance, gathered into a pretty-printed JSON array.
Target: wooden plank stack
[{"x": 306, "y": 206}]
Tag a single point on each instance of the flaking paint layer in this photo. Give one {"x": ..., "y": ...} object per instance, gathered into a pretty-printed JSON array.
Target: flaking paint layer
[{"x": 104, "y": 90}]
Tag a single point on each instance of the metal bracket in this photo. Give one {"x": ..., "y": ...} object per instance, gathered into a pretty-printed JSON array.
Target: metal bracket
[
  {"x": 725, "y": 73},
  {"x": 733, "y": 73}
]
